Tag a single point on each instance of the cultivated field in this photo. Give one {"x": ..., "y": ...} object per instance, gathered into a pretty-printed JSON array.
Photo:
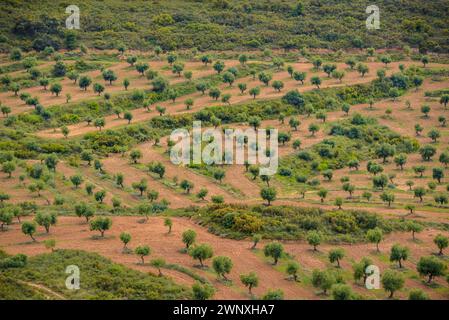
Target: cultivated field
[{"x": 363, "y": 160}]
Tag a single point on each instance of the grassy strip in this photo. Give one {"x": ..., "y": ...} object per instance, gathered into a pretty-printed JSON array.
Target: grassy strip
[
  {"x": 187, "y": 271},
  {"x": 101, "y": 278}
]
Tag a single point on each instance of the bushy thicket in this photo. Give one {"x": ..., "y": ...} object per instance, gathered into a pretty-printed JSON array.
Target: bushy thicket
[
  {"x": 10, "y": 289},
  {"x": 283, "y": 222},
  {"x": 101, "y": 278},
  {"x": 17, "y": 261},
  {"x": 227, "y": 24}
]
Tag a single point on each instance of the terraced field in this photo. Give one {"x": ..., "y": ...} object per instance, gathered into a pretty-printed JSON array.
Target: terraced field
[{"x": 53, "y": 160}]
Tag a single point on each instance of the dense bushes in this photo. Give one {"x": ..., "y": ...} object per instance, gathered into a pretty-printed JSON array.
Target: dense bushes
[
  {"x": 25, "y": 146},
  {"x": 238, "y": 221},
  {"x": 17, "y": 261},
  {"x": 102, "y": 279},
  {"x": 228, "y": 24},
  {"x": 11, "y": 289}
]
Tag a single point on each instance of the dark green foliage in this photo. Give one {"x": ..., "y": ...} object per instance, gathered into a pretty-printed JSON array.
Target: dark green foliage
[
  {"x": 101, "y": 278},
  {"x": 11, "y": 289},
  {"x": 230, "y": 24},
  {"x": 279, "y": 222},
  {"x": 17, "y": 261}
]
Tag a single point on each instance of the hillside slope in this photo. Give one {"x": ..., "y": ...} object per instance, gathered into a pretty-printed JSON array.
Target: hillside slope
[{"x": 227, "y": 24}]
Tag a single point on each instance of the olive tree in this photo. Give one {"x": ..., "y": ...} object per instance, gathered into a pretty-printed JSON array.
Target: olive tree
[
  {"x": 314, "y": 239},
  {"x": 274, "y": 250},
  {"x": 335, "y": 255},
  {"x": 142, "y": 251},
  {"x": 399, "y": 253},
  {"x": 168, "y": 223},
  {"x": 29, "y": 229},
  {"x": 188, "y": 238},
  {"x": 414, "y": 228},
  {"x": 46, "y": 220},
  {"x": 441, "y": 242},
  {"x": 392, "y": 281},
  {"x": 268, "y": 194},
  {"x": 375, "y": 236},
  {"x": 83, "y": 210},
  {"x": 125, "y": 237},
  {"x": 201, "y": 252},
  {"x": 222, "y": 266},
  {"x": 256, "y": 239},
  {"x": 430, "y": 267},
  {"x": 101, "y": 224},
  {"x": 76, "y": 180},
  {"x": 250, "y": 280},
  {"x": 292, "y": 270},
  {"x": 323, "y": 280}
]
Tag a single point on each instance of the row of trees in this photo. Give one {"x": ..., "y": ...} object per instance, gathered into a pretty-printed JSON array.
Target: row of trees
[{"x": 430, "y": 267}]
